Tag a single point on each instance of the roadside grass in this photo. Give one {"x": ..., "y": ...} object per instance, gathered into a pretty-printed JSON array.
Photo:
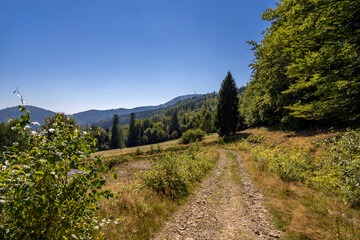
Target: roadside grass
[
  {"x": 300, "y": 211},
  {"x": 138, "y": 209}
]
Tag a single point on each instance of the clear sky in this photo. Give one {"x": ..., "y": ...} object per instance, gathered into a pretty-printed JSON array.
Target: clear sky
[{"x": 76, "y": 55}]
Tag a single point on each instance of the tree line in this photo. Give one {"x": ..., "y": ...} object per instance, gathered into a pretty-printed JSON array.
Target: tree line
[{"x": 306, "y": 70}]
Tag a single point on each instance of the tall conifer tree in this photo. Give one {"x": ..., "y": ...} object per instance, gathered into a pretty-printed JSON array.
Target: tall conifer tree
[
  {"x": 115, "y": 140},
  {"x": 227, "y": 112},
  {"x": 134, "y": 134}
]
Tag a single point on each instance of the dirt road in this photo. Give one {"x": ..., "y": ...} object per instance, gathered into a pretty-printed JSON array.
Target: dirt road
[{"x": 227, "y": 206}]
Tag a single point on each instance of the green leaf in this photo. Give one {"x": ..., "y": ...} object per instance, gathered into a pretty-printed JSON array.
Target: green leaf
[{"x": 39, "y": 172}]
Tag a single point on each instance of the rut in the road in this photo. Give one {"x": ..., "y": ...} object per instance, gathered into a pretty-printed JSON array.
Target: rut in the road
[{"x": 226, "y": 206}]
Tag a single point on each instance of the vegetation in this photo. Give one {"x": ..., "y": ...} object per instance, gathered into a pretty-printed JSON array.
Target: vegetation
[
  {"x": 227, "y": 109},
  {"x": 144, "y": 203},
  {"x": 50, "y": 190},
  {"x": 172, "y": 175},
  {"x": 306, "y": 69},
  {"x": 303, "y": 178},
  {"x": 8, "y": 136},
  {"x": 115, "y": 138},
  {"x": 192, "y": 135}
]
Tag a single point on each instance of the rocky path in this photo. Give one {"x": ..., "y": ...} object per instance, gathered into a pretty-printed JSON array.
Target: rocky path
[{"x": 227, "y": 206}]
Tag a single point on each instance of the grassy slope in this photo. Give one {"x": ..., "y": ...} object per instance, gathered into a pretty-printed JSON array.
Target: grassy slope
[
  {"x": 140, "y": 211},
  {"x": 145, "y": 148},
  {"x": 301, "y": 212}
]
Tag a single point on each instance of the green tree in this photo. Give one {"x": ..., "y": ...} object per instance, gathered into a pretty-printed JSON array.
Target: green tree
[
  {"x": 307, "y": 67},
  {"x": 207, "y": 124},
  {"x": 174, "y": 124},
  {"x": 115, "y": 138},
  {"x": 134, "y": 132},
  {"x": 227, "y": 112}
]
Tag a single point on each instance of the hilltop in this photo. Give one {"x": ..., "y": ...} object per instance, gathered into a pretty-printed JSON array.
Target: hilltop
[{"x": 90, "y": 116}]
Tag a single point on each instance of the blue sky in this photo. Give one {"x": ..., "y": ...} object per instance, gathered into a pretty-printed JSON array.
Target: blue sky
[{"x": 76, "y": 55}]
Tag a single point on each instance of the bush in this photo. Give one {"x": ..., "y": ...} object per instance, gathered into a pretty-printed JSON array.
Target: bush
[
  {"x": 343, "y": 157},
  {"x": 51, "y": 189},
  {"x": 172, "y": 175},
  {"x": 192, "y": 135}
]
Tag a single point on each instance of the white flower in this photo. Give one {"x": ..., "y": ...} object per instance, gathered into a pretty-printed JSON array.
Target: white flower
[
  {"x": 51, "y": 130},
  {"x": 34, "y": 133},
  {"x": 84, "y": 132},
  {"x": 35, "y": 123},
  {"x": 27, "y": 127}
]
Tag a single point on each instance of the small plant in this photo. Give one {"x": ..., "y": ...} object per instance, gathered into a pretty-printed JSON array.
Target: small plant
[
  {"x": 158, "y": 149},
  {"x": 138, "y": 152}
]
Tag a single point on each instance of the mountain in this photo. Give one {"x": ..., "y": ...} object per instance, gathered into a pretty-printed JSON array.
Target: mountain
[
  {"x": 90, "y": 116},
  {"x": 37, "y": 114},
  {"x": 195, "y": 103}
]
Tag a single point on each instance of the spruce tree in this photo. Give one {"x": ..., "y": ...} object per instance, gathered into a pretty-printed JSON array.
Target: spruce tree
[
  {"x": 174, "y": 123},
  {"x": 227, "y": 112},
  {"x": 115, "y": 140},
  {"x": 133, "y": 136}
]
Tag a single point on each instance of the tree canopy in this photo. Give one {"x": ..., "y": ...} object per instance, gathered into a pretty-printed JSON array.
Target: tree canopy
[{"x": 307, "y": 67}]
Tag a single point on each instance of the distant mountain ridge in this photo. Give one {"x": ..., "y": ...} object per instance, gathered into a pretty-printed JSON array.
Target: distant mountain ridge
[
  {"x": 37, "y": 114},
  {"x": 87, "y": 117}
]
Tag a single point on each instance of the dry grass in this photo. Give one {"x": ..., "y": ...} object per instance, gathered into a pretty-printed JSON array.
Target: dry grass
[
  {"x": 304, "y": 139},
  {"x": 141, "y": 210},
  {"x": 168, "y": 145},
  {"x": 301, "y": 212}
]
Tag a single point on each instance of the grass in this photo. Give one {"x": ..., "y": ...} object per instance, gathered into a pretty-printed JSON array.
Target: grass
[
  {"x": 234, "y": 168},
  {"x": 140, "y": 210},
  {"x": 301, "y": 212},
  {"x": 164, "y": 146}
]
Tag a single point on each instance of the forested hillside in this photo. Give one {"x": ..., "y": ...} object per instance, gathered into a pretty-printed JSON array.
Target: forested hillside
[
  {"x": 157, "y": 125},
  {"x": 182, "y": 106}
]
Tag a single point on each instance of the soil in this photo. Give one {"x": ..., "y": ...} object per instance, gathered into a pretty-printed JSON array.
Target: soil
[{"x": 227, "y": 205}]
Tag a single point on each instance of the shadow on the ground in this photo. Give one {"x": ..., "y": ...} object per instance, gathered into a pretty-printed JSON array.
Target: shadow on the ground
[
  {"x": 236, "y": 137},
  {"x": 308, "y": 133}
]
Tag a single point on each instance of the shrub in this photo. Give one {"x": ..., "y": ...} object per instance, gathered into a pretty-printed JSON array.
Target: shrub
[
  {"x": 192, "y": 135},
  {"x": 343, "y": 157},
  {"x": 172, "y": 175},
  {"x": 51, "y": 189},
  {"x": 138, "y": 152}
]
